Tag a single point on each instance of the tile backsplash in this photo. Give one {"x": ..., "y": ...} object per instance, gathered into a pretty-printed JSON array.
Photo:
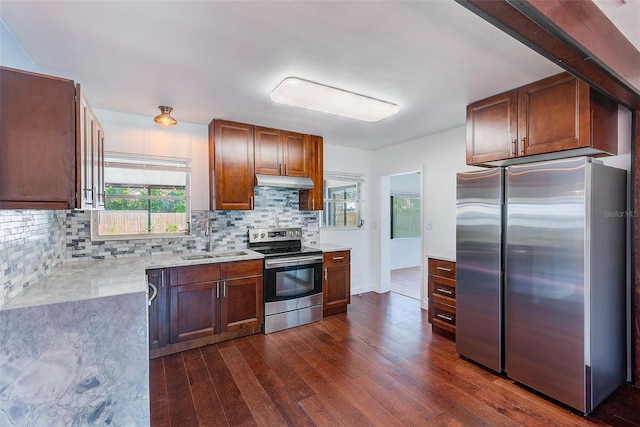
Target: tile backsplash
[
  {"x": 273, "y": 208},
  {"x": 32, "y": 243}
]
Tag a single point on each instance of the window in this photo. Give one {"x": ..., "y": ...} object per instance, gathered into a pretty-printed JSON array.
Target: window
[
  {"x": 342, "y": 200},
  {"x": 144, "y": 196},
  {"x": 405, "y": 215}
]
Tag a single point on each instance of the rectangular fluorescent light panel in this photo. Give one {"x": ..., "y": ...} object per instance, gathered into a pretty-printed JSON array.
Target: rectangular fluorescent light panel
[{"x": 314, "y": 96}]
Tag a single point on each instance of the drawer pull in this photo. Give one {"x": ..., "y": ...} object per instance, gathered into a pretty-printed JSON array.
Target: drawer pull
[
  {"x": 447, "y": 318},
  {"x": 444, "y": 291},
  {"x": 444, "y": 268},
  {"x": 337, "y": 258}
]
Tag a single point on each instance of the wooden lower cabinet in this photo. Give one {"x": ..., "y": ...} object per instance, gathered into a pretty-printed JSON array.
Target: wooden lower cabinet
[
  {"x": 442, "y": 294},
  {"x": 209, "y": 303},
  {"x": 336, "y": 282}
]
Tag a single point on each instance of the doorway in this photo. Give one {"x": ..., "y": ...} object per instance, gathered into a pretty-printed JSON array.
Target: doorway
[{"x": 405, "y": 234}]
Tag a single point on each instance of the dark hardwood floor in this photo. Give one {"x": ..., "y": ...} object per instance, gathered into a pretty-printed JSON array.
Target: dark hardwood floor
[{"x": 378, "y": 364}]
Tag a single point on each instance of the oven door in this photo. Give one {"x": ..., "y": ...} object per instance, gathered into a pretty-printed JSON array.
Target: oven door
[{"x": 293, "y": 277}]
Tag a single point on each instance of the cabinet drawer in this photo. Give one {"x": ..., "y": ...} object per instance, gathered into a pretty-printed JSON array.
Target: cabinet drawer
[
  {"x": 196, "y": 274},
  {"x": 442, "y": 268},
  {"x": 242, "y": 268},
  {"x": 335, "y": 258},
  {"x": 443, "y": 290},
  {"x": 444, "y": 313}
]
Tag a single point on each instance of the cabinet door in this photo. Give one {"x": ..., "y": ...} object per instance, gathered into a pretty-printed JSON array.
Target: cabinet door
[
  {"x": 492, "y": 128},
  {"x": 336, "y": 289},
  {"x": 37, "y": 141},
  {"x": 194, "y": 311},
  {"x": 90, "y": 157},
  {"x": 554, "y": 115},
  {"x": 241, "y": 303},
  {"x": 158, "y": 310},
  {"x": 86, "y": 150},
  {"x": 268, "y": 151},
  {"x": 312, "y": 200},
  {"x": 231, "y": 165},
  {"x": 295, "y": 154},
  {"x": 336, "y": 292},
  {"x": 99, "y": 182}
]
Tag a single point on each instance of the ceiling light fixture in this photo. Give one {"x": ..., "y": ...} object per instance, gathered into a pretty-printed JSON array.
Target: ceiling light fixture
[
  {"x": 164, "y": 119},
  {"x": 314, "y": 96}
]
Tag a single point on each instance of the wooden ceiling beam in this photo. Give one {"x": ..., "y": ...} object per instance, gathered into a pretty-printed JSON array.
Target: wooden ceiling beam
[{"x": 574, "y": 34}]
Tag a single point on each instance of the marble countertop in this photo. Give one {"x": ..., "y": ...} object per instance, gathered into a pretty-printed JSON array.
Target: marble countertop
[
  {"x": 330, "y": 247},
  {"x": 444, "y": 255},
  {"x": 87, "y": 279}
]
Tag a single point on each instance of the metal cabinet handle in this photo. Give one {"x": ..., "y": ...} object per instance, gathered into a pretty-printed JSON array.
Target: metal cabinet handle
[
  {"x": 515, "y": 146},
  {"x": 444, "y": 291},
  {"x": 447, "y": 318},
  {"x": 443, "y": 269},
  {"x": 224, "y": 289},
  {"x": 162, "y": 278},
  {"x": 325, "y": 273},
  {"x": 251, "y": 202},
  {"x": 154, "y": 294},
  {"x": 523, "y": 147},
  {"x": 338, "y": 257},
  {"x": 218, "y": 290},
  {"x": 313, "y": 204}
]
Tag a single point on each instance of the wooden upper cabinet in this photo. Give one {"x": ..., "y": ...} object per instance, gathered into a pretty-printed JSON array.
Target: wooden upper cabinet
[
  {"x": 279, "y": 152},
  {"x": 556, "y": 117},
  {"x": 38, "y": 141},
  {"x": 312, "y": 200},
  {"x": 90, "y": 174},
  {"x": 492, "y": 128},
  {"x": 268, "y": 151},
  {"x": 231, "y": 164},
  {"x": 563, "y": 113},
  {"x": 295, "y": 154}
]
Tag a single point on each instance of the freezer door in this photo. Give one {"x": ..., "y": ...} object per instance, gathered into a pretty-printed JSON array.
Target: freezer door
[
  {"x": 545, "y": 278},
  {"x": 479, "y": 267}
]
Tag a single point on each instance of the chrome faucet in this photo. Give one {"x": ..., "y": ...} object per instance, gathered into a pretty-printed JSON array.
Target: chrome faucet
[{"x": 209, "y": 233}]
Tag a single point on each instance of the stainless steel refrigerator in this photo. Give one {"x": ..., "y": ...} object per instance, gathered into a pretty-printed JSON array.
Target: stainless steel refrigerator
[{"x": 541, "y": 277}]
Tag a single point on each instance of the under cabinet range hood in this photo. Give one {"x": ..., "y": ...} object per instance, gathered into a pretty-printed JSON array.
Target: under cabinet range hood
[{"x": 281, "y": 181}]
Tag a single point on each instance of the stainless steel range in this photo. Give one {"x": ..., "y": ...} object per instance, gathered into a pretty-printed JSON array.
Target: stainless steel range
[{"x": 292, "y": 278}]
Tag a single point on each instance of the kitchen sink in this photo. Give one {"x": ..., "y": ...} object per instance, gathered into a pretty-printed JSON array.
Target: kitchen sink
[
  {"x": 216, "y": 255},
  {"x": 203, "y": 256},
  {"x": 231, "y": 253}
]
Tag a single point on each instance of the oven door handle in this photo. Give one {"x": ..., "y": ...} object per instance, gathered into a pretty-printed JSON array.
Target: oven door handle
[{"x": 293, "y": 261}]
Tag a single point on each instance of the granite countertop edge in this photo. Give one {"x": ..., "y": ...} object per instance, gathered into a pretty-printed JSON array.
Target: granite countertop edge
[
  {"x": 330, "y": 247},
  {"x": 77, "y": 280}
]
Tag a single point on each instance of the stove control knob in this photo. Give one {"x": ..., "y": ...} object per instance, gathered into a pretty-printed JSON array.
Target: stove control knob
[
  {"x": 255, "y": 235},
  {"x": 262, "y": 235},
  {"x": 297, "y": 233}
]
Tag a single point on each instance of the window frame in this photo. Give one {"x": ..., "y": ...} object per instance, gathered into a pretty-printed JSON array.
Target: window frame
[
  {"x": 349, "y": 179},
  {"x": 137, "y": 162}
]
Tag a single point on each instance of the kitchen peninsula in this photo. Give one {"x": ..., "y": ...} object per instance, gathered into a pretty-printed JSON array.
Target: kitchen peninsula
[{"x": 74, "y": 344}]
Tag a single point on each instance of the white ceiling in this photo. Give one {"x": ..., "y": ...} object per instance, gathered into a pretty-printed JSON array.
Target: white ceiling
[{"x": 221, "y": 59}]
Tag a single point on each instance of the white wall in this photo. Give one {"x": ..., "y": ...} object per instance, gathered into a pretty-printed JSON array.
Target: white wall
[
  {"x": 353, "y": 160},
  {"x": 11, "y": 53},
  {"x": 130, "y": 133},
  {"x": 439, "y": 157}
]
